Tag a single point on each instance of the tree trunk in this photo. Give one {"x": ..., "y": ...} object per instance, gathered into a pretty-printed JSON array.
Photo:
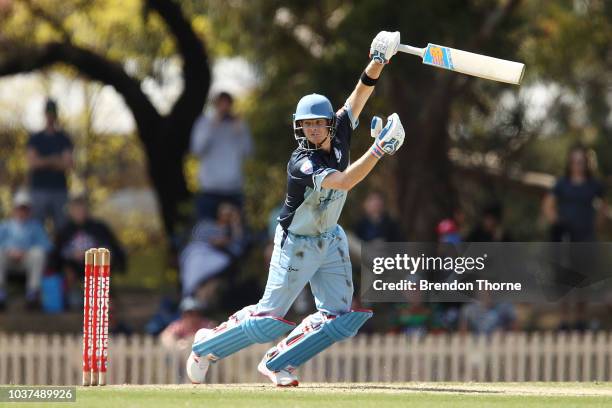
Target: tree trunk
[
  {"x": 167, "y": 143},
  {"x": 165, "y": 139},
  {"x": 423, "y": 170},
  {"x": 164, "y": 165}
]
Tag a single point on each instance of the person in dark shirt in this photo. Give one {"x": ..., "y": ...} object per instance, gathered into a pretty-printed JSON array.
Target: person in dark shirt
[
  {"x": 80, "y": 233},
  {"x": 49, "y": 156},
  {"x": 489, "y": 228},
  {"x": 376, "y": 223},
  {"x": 570, "y": 210},
  {"x": 569, "y": 207}
]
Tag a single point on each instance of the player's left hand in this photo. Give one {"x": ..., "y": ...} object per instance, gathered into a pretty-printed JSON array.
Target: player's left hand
[{"x": 384, "y": 46}]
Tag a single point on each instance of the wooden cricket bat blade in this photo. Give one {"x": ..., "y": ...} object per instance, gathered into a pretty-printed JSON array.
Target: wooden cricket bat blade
[{"x": 469, "y": 63}]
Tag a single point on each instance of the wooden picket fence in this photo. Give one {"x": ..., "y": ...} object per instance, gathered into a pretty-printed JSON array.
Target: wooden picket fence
[{"x": 54, "y": 359}]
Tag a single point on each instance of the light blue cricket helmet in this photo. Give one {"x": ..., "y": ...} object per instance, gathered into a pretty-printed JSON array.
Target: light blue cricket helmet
[{"x": 313, "y": 106}]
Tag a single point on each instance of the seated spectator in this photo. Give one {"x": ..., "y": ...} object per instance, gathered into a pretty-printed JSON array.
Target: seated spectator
[
  {"x": 448, "y": 232},
  {"x": 411, "y": 318},
  {"x": 166, "y": 313},
  {"x": 23, "y": 247},
  {"x": 376, "y": 224},
  {"x": 213, "y": 247},
  {"x": 490, "y": 228},
  {"x": 416, "y": 316},
  {"x": 486, "y": 317},
  {"x": 80, "y": 233},
  {"x": 179, "y": 334}
]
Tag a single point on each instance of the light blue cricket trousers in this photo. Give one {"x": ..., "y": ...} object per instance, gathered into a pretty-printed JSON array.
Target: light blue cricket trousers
[{"x": 322, "y": 260}]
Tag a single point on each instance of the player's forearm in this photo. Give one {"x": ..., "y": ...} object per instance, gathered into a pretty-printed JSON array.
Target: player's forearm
[
  {"x": 354, "y": 174},
  {"x": 362, "y": 92},
  {"x": 374, "y": 69}
]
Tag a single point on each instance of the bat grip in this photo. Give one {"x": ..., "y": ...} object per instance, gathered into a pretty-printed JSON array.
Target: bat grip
[{"x": 411, "y": 50}]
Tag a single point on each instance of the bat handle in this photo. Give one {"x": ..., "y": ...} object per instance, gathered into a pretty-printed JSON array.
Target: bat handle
[{"x": 411, "y": 50}]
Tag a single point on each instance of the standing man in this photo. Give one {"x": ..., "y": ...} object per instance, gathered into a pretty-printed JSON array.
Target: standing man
[
  {"x": 49, "y": 156},
  {"x": 309, "y": 245},
  {"x": 222, "y": 142}
]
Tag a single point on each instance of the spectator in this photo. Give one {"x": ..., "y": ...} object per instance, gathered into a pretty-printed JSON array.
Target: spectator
[
  {"x": 49, "y": 156},
  {"x": 412, "y": 316},
  {"x": 446, "y": 314},
  {"x": 490, "y": 228},
  {"x": 570, "y": 210},
  {"x": 486, "y": 317},
  {"x": 222, "y": 142},
  {"x": 80, "y": 233},
  {"x": 179, "y": 334},
  {"x": 569, "y": 206},
  {"x": 166, "y": 313},
  {"x": 23, "y": 247},
  {"x": 448, "y": 231},
  {"x": 376, "y": 224},
  {"x": 213, "y": 248}
]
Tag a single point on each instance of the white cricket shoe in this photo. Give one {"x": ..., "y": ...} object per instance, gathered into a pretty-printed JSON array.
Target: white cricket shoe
[
  {"x": 282, "y": 378},
  {"x": 197, "y": 366}
]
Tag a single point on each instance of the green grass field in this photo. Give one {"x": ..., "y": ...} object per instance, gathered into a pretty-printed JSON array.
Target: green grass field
[{"x": 376, "y": 395}]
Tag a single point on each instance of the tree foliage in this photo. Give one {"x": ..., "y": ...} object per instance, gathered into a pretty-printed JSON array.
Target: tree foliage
[
  {"x": 122, "y": 44},
  {"x": 454, "y": 123},
  {"x": 321, "y": 46}
]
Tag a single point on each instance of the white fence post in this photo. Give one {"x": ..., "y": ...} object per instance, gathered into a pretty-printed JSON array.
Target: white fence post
[{"x": 56, "y": 359}]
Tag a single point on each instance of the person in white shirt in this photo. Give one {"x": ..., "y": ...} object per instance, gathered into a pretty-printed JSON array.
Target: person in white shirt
[{"x": 222, "y": 142}]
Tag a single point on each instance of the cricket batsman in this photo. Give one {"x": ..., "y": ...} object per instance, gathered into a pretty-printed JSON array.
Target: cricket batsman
[{"x": 309, "y": 245}]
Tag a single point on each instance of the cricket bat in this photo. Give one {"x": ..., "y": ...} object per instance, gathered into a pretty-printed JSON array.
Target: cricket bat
[{"x": 468, "y": 63}]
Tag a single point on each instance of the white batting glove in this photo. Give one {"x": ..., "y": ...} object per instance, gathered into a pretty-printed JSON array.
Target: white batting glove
[
  {"x": 389, "y": 139},
  {"x": 376, "y": 126},
  {"x": 384, "y": 46}
]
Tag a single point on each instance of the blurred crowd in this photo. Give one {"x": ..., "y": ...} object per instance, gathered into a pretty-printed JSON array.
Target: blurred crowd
[{"x": 43, "y": 241}]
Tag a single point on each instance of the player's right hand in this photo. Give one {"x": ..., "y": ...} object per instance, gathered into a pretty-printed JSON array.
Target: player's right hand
[
  {"x": 384, "y": 46},
  {"x": 389, "y": 139}
]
